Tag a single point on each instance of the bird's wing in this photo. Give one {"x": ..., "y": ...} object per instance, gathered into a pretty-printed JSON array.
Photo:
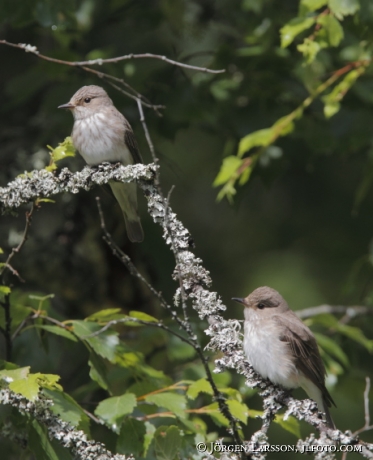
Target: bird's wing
[
  {"x": 306, "y": 353},
  {"x": 131, "y": 143}
]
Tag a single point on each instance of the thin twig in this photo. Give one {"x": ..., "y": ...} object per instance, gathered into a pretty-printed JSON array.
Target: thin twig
[
  {"x": 8, "y": 326},
  {"x": 33, "y": 49},
  {"x": 349, "y": 312},
  {"x": 146, "y": 131},
  {"x": 367, "y": 426},
  {"x": 158, "y": 324},
  {"x": 17, "y": 249},
  {"x": 93, "y": 417}
]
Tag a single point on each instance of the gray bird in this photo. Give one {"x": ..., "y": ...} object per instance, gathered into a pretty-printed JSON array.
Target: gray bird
[
  {"x": 282, "y": 348},
  {"x": 101, "y": 133}
]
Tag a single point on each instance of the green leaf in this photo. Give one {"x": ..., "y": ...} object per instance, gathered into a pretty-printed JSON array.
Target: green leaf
[
  {"x": 113, "y": 410},
  {"x": 200, "y": 386},
  {"x": 57, "y": 330},
  {"x": 344, "y": 7},
  {"x": 309, "y": 48},
  {"x": 355, "y": 334},
  {"x": 149, "y": 436},
  {"x": 109, "y": 314},
  {"x": 294, "y": 28},
  {"x": 28, "y": 387},
  {"x": 213, "y": 411},
  {"x": 332, "y": 100},
  {"x": 167, "y": 442},
  {"x": 291, "y": 424},
  {"x": 11, "y": 375},
  {"x": 104, "y": 344},
  {"x": 98, "y": 371},
  {"x": 68, "y": 409},
  {"x": 330, "y": 346},
  {"x": 65, "y": 149},
  {"x": 173, "y": 402},
  {"x": 227, "y": 170},
  {"x": 263, "y": 137},
  {"x": 5, "y": 290},
  {"x": 332, "y": 28},
  {"x": 131, "y": 437},
  {"x": 143, "y": 316},
  {"x": 313, "y": 5},
  {"x": 238, "y": 410},
  {"x": 39, "y": 442}
]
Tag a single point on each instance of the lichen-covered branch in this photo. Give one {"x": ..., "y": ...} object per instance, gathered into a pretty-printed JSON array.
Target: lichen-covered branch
[
  {"x": 43, "y": 184},
  {"x": 74, "y": 440}
]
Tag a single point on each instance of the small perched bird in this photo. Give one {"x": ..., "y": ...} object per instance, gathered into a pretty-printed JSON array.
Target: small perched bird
[
  {"x": 282, "y": 348},
  {"x": 101, "y": 133}
]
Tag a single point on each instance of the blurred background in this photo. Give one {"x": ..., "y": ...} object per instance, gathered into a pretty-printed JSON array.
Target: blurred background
[{"x": 302, "y": 224}]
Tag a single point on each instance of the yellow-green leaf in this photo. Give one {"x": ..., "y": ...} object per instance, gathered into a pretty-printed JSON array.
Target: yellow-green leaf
[
  {"x": 291, "y": 424},
  {"x": 143, "y": 316},
  {"x": 200, "y": 386},
  {"x": 294, "y": 28},
  {"x": 228, "y": 169}
]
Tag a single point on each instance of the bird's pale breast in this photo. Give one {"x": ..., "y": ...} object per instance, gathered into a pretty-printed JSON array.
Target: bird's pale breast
[
  {"x": 268, "y": 355},
  {"x": 99, "y": 139}
]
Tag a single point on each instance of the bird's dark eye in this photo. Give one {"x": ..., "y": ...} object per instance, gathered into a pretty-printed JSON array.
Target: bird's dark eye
[
  {"x": 87, "y": 100},
  {"x": 261, "y": 306}
]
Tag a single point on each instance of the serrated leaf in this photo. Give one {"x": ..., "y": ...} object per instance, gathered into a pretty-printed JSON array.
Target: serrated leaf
[
  {"x": 238, "y": 410},
  {"x": 200, "y": 386},
  {"x": 213, "y": 411},
  {"x": 11, "y": 375},
  {"x": 113, "y": 410},
  {"x": 150, "y": 431},
  {"x": 28, "y": 387},
  {"x": 344, "y": 7},
  {"x": 67, "y": 408},
  {"x": 291, "y": 424},
  {"x": 131, "y": 437},
  {"x": 104, "y": 344},
  {"x": 173, "y": 402},
  {"x": 63, "y": 150},
  {"x": 293, "y": 28},
  {"x": 167, "y": 442},
  {"x": 57, "y": 330},
  {"x": 228, "y": 168},
  {"x": 142, "y": 316}
]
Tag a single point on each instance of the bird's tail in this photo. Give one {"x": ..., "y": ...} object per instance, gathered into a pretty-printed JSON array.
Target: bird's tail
[
  {"x": 126, "y": 195},
  {"x": 324, "y": 408}
]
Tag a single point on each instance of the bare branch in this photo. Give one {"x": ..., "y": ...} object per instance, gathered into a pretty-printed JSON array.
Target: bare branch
[
  {"x": 33, "y": 50},
  {"x": 349, "y": 311}
]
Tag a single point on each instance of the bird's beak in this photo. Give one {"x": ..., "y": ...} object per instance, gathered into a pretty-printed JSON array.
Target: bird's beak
[
  {"x": 69, "y": 105},
  {"x": 239, "y": 300}
]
